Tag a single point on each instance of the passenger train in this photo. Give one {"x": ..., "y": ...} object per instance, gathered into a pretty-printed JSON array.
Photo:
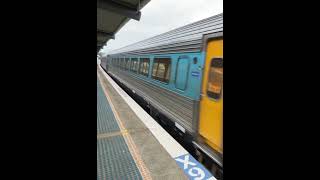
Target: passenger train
[{"x": 177, "y": 77}]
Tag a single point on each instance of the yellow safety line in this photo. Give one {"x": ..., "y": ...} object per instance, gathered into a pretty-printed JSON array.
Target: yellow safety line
[
  {"x": 132, "y": 147},
  {"x": 112, "y": 134}
]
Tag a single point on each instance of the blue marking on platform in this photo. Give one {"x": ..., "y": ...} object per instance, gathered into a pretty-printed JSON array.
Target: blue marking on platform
[{"x": 192, "y": 168}]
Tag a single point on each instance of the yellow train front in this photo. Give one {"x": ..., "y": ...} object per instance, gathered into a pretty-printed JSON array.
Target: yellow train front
[
  {"x": 178, "y": 78},
  {"x": 210, "y": 137}
]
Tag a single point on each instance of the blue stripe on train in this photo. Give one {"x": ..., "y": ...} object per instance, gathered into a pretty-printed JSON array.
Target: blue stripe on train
[{"x": 194, "y": 72}]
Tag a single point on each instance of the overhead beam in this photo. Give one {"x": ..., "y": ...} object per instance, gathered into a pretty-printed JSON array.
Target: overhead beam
[
  {"x": 119, "y": 9},
  {"x": 99, "y": 47},
  {"x": 105, "y": 34},
  {"x": 100, "y": 44}
]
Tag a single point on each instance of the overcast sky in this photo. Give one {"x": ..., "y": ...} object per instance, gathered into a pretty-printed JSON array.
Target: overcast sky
[{"x": 160, "y": 16}]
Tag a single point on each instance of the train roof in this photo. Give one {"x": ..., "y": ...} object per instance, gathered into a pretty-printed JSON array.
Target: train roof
[{"x": 184, "y": 39}]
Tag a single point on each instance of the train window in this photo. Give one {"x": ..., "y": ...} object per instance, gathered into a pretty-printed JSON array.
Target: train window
[
  {"x": 182, "y": 73},
  {"x": 154, "y": 68},
  {"x": 161, "y": 69},
  {"x": 144, "y": 66},
  {"x": 131, "y": 64},
  {"x": 127, "y": 64},
  {"x": 134, "y": 65},
  {"x": 121, "y": 63},
  {"x": 215, "y": 78}
]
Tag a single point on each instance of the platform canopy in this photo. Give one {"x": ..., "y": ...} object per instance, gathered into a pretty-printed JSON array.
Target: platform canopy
[{"x": 112, "y": 15}]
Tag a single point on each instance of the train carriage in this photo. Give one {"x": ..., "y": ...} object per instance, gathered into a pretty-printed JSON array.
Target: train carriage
[{"x": 179, "y": 74}]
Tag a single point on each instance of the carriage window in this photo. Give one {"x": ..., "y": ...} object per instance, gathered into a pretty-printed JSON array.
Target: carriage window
[
  {"x": 127, "y": 64},
  {"x": 161, "y": 69},
  {"x": 144, "y": 66},
  {"x": 121, "y": 63},
  {"x": 131, "y": 64},
  {"x": 154, "y": 68},
  {"x": 134, "y": 65},
  {"x": 215, "y": 78}
]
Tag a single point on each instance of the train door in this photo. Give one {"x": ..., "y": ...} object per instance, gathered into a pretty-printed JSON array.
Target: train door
[{"x": 211, "y": 119}]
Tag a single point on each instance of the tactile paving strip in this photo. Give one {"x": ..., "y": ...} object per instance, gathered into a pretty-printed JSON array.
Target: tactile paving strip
[
  {"x": 106, "y": 122},
  {"x": 114, "y": 160}
]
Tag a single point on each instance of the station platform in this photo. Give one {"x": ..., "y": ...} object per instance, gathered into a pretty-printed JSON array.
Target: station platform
[{"x": 130, "y": 143}]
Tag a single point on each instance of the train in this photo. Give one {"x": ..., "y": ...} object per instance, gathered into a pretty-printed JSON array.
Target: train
[{"x": 177, "y": 77}]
